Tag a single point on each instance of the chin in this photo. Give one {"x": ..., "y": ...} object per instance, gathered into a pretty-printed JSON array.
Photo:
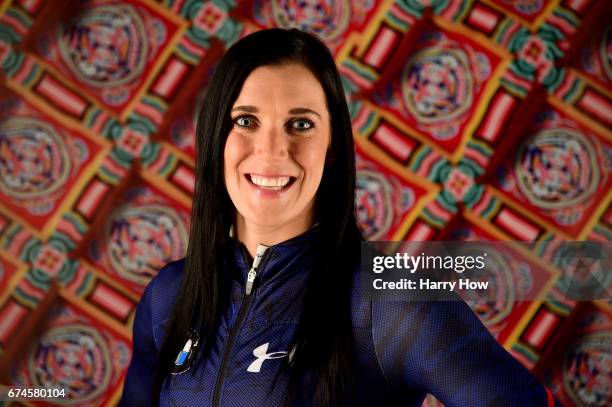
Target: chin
[{"x": 272, "y": 216}]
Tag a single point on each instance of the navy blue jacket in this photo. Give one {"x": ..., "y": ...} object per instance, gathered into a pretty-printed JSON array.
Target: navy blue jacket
[{"x": 403, "y": 350}]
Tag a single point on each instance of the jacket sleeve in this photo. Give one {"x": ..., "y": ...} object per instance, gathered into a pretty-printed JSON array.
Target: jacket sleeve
[
  {"x": 139, "y": 379},
  {"x": 442, "y": 348}
]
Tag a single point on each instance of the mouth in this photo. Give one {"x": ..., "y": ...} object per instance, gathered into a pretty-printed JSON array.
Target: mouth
[{"x": 276, "y": 183}]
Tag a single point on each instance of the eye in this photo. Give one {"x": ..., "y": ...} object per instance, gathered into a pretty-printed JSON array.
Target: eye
[
  {"x": 302, "y": 124},
  {"x": 245, "y": 121}
]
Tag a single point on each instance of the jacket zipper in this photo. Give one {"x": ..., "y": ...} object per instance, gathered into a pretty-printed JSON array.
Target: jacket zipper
[{"x": 244, "y": 306}]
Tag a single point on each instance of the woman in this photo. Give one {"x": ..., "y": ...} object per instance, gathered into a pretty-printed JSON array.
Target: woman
[{"x": 265, "y": 309}]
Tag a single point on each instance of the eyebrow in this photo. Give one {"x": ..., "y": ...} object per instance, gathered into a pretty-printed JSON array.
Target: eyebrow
[{"x": 295, "y": 110}]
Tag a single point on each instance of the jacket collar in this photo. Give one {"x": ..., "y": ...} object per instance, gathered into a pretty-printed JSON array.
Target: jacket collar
[{"x": 295, "y": 254}]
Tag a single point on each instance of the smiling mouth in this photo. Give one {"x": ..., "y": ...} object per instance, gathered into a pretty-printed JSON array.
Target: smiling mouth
[{"x": 271, "y": 183}]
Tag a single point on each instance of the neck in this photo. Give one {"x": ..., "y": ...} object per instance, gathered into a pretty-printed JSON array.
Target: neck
[{"x": 252, "y": 234}]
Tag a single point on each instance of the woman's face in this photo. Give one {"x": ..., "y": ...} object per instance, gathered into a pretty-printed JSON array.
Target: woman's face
[{"x": 275, "y": 153}]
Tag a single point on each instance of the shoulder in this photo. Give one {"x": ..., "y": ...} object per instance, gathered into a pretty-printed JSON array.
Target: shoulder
[
  {"x": 161, "y": 294},
  {"x": 360, "y": 298},
  {"x": 167, "y": 281}
]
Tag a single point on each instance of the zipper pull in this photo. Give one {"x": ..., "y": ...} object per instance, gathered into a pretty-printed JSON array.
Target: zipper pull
[{"x": 261, "y": 249}]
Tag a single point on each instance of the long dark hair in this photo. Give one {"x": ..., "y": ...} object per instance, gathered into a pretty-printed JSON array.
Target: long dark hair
[{"x": 324, "y": 336}]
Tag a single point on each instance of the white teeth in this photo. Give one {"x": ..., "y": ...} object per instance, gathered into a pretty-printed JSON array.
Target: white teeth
[{"x": 270, "y": 183}]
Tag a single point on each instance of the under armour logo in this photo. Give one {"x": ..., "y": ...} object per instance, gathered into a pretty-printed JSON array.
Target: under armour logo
[{"x": 261, "y": 354}]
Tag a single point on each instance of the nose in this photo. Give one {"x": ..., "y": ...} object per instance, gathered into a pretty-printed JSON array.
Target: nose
[{"x": 271, "y": 143}]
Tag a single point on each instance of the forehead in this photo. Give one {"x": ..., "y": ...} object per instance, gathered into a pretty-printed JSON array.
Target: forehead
[{"x": 287, "y": 84}]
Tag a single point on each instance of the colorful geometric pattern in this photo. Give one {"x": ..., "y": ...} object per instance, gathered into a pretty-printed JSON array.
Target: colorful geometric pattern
[
  {"x": 78, "y": 352},
  {"x": 582, "y": 374},
  {"x": 473, "y": 119}
]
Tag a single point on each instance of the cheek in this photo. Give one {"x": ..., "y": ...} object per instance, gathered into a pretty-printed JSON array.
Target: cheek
[
  {"x": 312, "y": 159},
  {"x": 235, "y": 151}
]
